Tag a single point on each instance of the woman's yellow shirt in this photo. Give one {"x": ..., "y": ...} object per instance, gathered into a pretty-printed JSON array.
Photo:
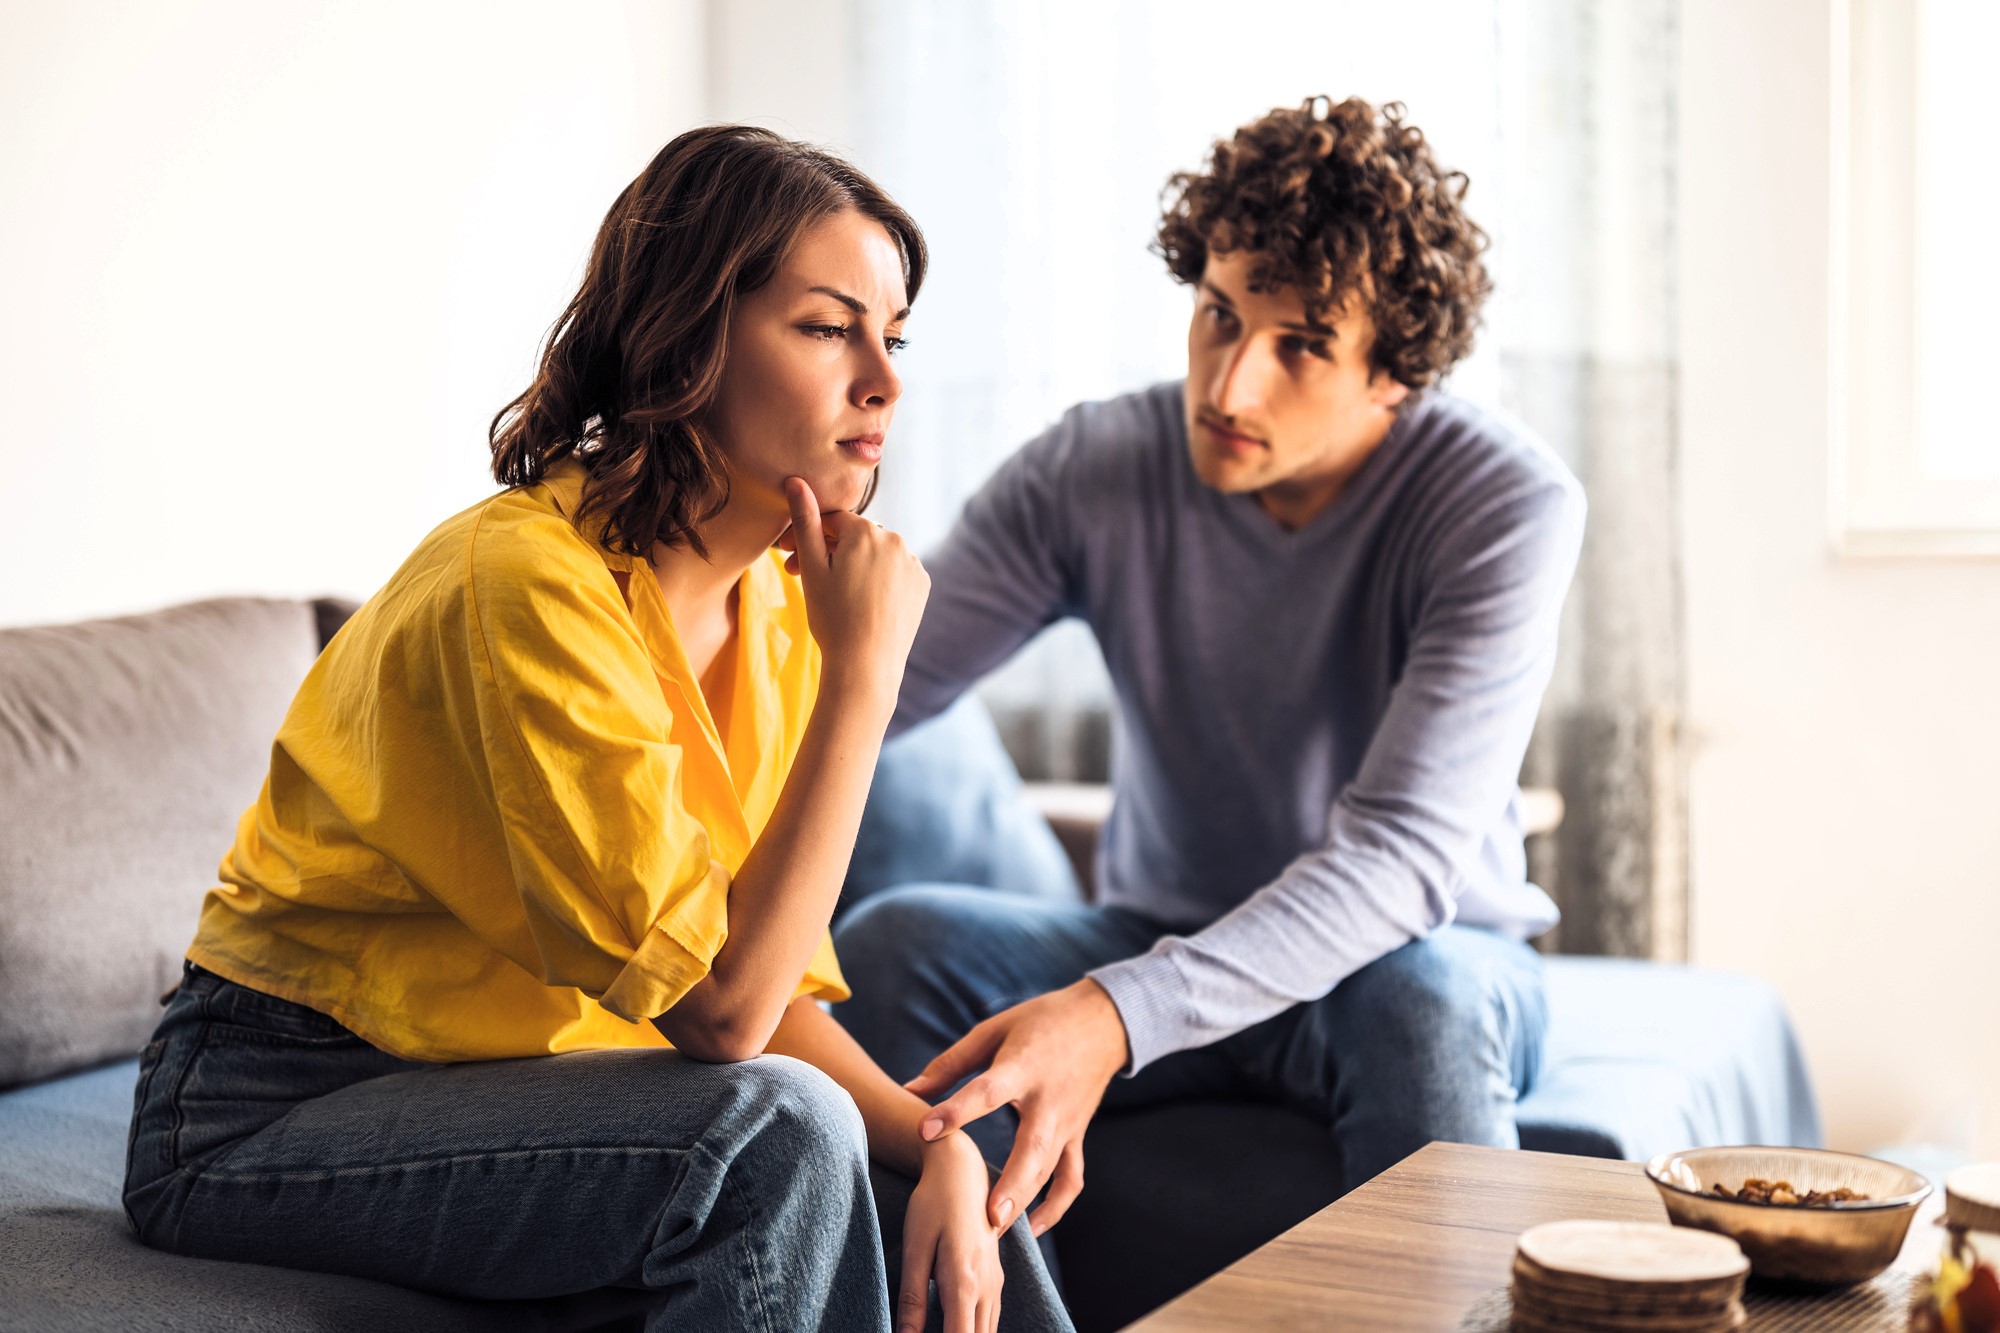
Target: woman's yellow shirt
[{"x": 500, "y": 820}]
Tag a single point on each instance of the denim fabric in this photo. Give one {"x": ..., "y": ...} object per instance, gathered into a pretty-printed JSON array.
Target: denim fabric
[
  {"x": 1435, "y": 1040},
  {"x": 265, "y": 1132}
]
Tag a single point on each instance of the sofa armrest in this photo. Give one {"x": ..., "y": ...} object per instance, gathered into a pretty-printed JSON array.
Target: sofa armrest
[
  {"x": 1542, "y": 811},
  {"x": 1076, "y": 811}
]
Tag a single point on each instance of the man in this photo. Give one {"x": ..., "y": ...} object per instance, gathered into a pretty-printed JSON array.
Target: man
[{"x": 1327, "y": 594}]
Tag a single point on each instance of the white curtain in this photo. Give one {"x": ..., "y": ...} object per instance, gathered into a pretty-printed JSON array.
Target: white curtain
[{"x": 1032, "y": 140}]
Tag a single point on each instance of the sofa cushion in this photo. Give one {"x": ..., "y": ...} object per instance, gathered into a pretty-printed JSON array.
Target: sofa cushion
[
  {"x": 1645, "y": 1058},
  {"x": 70, "y": 1264},
  {"x": 128, "y": 749},
  {"x": 946, "y": 808}
]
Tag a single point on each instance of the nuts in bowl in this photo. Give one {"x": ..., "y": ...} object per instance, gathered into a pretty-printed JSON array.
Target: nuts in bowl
[
  {"x": 1786, "y": 1195},
  {"x": 1800, "y": 1214}
]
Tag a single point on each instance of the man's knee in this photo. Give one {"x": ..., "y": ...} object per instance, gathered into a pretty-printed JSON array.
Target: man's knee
[
  {"x": 926, "y": 963},
  {"x": 1435, "y": 1001},
  {"x": 896, "y": 931},
  {"x": 1424, "y": 984}
]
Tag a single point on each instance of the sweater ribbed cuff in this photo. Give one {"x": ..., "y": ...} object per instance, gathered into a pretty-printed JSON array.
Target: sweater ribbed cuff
[{"x": 1151, "y": 996}]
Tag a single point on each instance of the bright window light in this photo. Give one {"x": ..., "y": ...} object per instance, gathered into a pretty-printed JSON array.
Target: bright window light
[{"x": 1958, "y": 281}]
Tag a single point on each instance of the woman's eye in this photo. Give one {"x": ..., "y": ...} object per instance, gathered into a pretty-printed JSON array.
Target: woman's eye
[
  {"x": 826, "y": 333},
  {"x": 895, "y": 345}
]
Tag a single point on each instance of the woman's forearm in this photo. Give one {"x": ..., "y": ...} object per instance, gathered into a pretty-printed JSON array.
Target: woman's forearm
[
  {"x": 891, "y": 1112},
  {"x": 781, "y": 900}
]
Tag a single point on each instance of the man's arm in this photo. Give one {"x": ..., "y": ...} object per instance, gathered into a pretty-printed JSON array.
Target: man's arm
[
  {"x": 1439, "y": 771},
  {"x": 1442, "y": 765},
  {"x": 1006, "y": 571}
]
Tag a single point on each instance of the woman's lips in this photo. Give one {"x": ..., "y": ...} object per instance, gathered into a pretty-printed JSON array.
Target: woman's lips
[{"x": 868, "y": 448}]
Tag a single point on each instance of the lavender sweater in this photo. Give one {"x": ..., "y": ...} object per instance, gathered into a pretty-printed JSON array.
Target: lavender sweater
[{"x": 1322, "y": 730}]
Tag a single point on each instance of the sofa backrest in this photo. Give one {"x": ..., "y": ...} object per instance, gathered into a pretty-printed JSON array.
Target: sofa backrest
[{"x": 128, "y": 750}]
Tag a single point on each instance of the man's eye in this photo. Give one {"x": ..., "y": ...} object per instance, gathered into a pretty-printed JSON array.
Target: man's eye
[
  {"x": 1221, "y": 317},
  {"x": 826, "y": 333},
  {"x": 1294, "y": 345}
]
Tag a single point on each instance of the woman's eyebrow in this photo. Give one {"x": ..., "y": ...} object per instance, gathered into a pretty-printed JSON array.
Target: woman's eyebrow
[{"x": 856, "y": 305}]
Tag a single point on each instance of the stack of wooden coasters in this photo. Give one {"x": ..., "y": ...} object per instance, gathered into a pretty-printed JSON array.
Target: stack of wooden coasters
[{"x": 1626, "y": 1277}]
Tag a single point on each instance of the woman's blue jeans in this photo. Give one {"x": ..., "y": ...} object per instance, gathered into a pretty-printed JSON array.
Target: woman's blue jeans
[{"x": 266, "y": 1132}]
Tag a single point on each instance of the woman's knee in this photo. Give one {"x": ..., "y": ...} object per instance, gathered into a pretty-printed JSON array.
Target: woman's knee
[{"x": 802, "y": 1114}]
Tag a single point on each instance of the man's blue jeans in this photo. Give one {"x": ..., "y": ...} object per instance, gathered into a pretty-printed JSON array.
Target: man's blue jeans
[
  {"x": 1437, "y": 1040},
  {"x": 266, "y": 1132}
]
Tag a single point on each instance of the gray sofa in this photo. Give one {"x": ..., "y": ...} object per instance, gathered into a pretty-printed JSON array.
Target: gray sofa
[{"x": 129, "y": 747}]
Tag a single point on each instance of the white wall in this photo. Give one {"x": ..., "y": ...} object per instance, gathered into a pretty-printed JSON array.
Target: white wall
[
  {"x": 1845, "y": 803},
  {"x": 268, "y": 270}
]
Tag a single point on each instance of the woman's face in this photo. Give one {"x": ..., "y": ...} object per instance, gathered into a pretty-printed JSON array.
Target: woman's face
[{"x": 808, "y": 387}]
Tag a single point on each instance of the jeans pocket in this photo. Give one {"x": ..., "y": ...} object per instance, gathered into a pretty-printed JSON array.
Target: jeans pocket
[
  {"x": 147, "y": 1151},
  {"x": 283, "y": 1036},
  {"x": 245, "y": 1007},
  {"x": 149, "y": 1061}
]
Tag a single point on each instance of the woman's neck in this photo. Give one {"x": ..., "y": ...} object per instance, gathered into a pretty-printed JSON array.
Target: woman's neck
[{"x": 697, "y": 590}]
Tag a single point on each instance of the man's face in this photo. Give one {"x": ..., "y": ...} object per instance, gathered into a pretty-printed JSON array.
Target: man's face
[{"x": 1277, "y": 405}]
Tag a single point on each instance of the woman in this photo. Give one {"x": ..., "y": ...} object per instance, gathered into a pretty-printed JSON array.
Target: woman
[{"x": 574, "y": 789}]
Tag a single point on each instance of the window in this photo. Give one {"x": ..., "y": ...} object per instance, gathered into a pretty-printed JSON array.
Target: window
[{"x": 1916, "y": 281}]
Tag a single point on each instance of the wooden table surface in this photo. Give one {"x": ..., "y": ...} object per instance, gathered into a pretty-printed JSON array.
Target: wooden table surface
[{"x": 1414, "y": 1248}]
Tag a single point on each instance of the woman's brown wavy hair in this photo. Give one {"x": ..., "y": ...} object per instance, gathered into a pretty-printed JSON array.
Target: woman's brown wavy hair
[
  {"x": 635, "y": 361},
  {"x": 1346, "y": 203}
]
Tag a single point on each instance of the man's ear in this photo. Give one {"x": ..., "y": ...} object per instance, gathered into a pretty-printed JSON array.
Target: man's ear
[{"x": 1387, "y": 391}]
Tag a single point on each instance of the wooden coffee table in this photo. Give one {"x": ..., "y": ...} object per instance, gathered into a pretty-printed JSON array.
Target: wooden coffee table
[{"x": 1415, "y": 1247}]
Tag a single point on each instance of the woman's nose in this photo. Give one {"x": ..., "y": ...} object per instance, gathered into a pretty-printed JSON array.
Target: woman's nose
[{"x": 879, "y": 385}]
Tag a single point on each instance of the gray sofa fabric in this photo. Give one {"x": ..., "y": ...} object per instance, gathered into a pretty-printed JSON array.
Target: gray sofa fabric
[{"x": 128, "y": 748}]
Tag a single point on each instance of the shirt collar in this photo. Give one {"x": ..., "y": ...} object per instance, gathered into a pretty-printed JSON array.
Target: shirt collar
[
  {"x": 764, "y": 643},
  {"x": 564, "y": 481}
]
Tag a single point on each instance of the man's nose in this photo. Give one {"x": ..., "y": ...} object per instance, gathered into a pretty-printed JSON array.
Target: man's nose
[{"x": 1243, "y": 375}]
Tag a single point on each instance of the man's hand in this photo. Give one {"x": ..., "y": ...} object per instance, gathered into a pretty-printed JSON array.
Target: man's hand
[{"x": 1050, "y": 1057}]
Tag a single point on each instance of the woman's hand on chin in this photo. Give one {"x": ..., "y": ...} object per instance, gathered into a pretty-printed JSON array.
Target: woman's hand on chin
[
  {"x": 947, "y": 1238},
  {"x": 865, "y": 594}
]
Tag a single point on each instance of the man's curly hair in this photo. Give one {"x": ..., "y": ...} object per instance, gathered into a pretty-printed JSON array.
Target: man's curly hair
[{"x": 1349, "y": 202}]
